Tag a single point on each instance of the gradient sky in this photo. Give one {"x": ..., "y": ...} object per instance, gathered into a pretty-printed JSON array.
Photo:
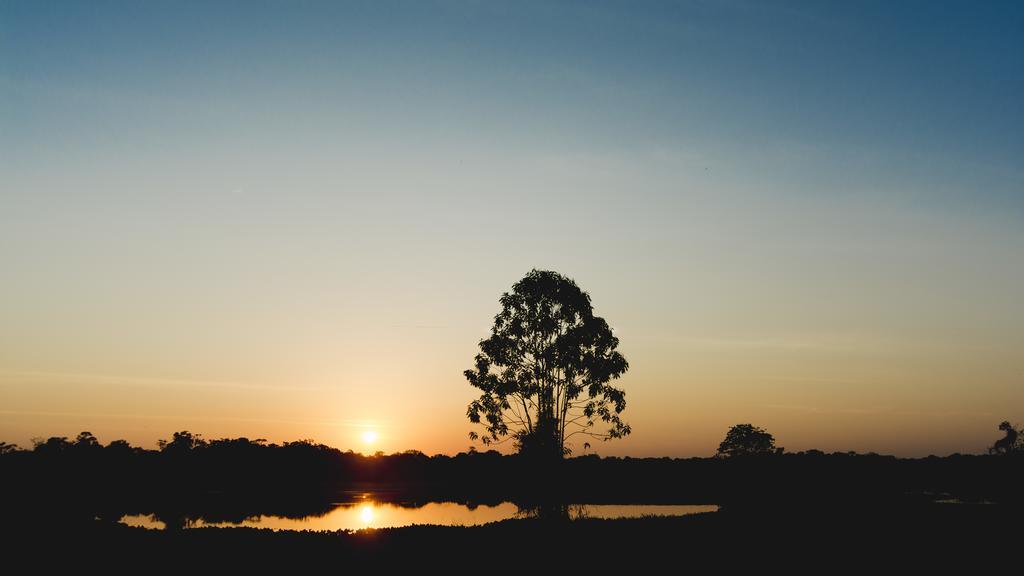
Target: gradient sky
[{"x": 294, "y": 219}]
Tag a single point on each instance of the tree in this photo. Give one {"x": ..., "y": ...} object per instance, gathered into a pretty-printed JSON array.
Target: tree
[
  {"x": 544, "y": 372},
  {"x": 52, "y": 445},
  {"x": 86, "y": 441},
  {"x": 181, "y": 442},
  {"x": 1010, "y": 442},
  {"x": 747, "y": 440}
]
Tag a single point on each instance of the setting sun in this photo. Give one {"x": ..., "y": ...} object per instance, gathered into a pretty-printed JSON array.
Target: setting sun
[{"x": 370, "y": 436}]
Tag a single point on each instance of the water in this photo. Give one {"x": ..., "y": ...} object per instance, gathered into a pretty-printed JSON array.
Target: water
[{"x": 369, "y": 513}]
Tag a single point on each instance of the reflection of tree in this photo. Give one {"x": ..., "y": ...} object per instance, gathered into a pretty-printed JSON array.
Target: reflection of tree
[
  {"x": 551, "y": 511},
  {"x": 239, "y": 512},
  {"x": 174, "y": 519}
]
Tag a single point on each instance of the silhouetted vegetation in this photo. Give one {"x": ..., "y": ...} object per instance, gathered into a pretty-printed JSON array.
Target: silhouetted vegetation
[
  {"x": 747, "y": 440},
  {"x": 545, "y": 370},
  {"x": 804, "y": 507},
  {"x": 1010, "y": 443},
  {"x": 237, "y": 477}
]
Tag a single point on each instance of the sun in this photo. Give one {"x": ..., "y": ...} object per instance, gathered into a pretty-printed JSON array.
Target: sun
[{"x": 370, "y": 436}]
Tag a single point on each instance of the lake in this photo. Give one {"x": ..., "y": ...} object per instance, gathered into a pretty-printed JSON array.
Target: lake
[{"x": 366, "y": 512}]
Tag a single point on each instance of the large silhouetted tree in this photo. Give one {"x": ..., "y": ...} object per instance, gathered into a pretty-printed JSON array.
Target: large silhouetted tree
[
  {"x": 746, "y": 440},
  {"x": 545, "y": 370}
]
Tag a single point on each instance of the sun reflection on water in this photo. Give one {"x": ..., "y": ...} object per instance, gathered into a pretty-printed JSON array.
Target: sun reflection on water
[{"x": 366, "y": 514}]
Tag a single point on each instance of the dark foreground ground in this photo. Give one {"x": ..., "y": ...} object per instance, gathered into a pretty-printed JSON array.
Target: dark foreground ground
[{"x": 912, "y": 538}]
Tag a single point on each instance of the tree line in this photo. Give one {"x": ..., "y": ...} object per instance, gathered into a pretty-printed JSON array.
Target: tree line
[{"x": 83, "y": 472}]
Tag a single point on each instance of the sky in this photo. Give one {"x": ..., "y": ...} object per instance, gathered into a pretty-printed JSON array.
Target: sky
[{"x": 291, "y": 220}]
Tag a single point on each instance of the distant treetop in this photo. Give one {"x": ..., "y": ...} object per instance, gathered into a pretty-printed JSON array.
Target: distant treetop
[{"x": 747, "y": 440}]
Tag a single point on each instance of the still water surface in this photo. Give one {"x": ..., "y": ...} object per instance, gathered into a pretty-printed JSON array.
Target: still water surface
[{"x": 368, "y": 513}]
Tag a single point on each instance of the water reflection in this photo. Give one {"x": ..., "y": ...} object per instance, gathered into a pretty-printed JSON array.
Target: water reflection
[
  {"x": 370, "y": 513},
  {"x": 366, "y": 513}
]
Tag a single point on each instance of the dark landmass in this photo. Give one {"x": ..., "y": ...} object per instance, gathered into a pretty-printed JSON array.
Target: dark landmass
[
  {"x": 912, "y": 538},
  {"x": 806, "y": 509}
]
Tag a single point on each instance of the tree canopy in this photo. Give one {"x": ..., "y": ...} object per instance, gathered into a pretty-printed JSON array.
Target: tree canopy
[
  {"x": 544, "y": 372},
  {"x": 746, "y": 440},
  {"x": 1010, "y": 443}
]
